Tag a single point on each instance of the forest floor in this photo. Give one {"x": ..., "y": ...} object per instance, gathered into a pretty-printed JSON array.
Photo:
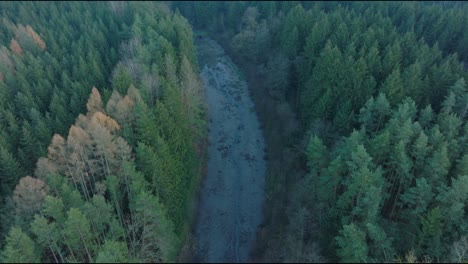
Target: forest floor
[{"x": 232, "y": 194}]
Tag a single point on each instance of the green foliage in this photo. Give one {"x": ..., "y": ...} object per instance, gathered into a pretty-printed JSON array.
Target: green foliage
[
  {"x": 113, "y": 252},
  {"x": 122, "y": 79},
  {"x": 317, "y": 153},
  {"x": 46, "y": 86},
  {"x": 393, "y": 87},
  {"x": 415, "y": 178},
  {"x": 47, "y": 235},
  {"x": 431, "y": 231},
  {"x": 352, "y": 244},
  {"x": 10, "y": 171},
  {"x": 19, "y": 248},
  {"x": 98, "y": 207},
  {"x": 388, "y": 72},
  {"x": 159, "y": 243},
  {"x": 77, "y": 232}
]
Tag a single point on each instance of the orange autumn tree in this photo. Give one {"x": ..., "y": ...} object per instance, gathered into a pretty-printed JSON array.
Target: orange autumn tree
[
  {"x": 22, "y": 34},
  {"x": 15, "y": 47},
  {"x": 37, "y": 39},
  {"x": 122, "y": 109},
  {"x": 91, "y": 152},
  {"x": 94, "y": 102}
]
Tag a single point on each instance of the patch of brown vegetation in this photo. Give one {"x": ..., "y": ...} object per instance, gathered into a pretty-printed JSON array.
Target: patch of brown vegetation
[
  {"x": 37, "y": 39},
  {"x": 15, "y": 47}
]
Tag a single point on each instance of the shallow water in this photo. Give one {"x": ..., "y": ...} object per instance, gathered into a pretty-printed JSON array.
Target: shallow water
[{"x": 232, "y": 194}]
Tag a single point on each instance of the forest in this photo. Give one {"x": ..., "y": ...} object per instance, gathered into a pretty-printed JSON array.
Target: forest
[
  {"x": 364, "y": 109},
  {"x": 102, "y": 131},
  {"x": 104, "y": 128}
]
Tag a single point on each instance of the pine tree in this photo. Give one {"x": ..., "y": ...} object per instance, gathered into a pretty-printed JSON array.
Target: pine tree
[
  {"x": 121, "y": 79},
  {"x": 393, "y": 87},
  {"x": 19, "y": 248},
  {"x": 317, "y": 154},
  {"x": 100, "y": 215},
  {"x": 77, "y": 231},
  {"x": 157, "y": 241},
  {"x": 420, "y": 152},
  {"x": 431, "y": 231},
  {"x": 352, "y": 244},
  {"x": 47, "y": 236},
  {"x": 10, "y": 171},
  {"x": 113, "y": 252}
]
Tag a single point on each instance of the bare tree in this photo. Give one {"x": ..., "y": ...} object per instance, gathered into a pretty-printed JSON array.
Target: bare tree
[
  {"x": 460, "y": 250},
  {"x": 118, "y": 7},
  {"x": 134, "y": 68},
  {"x": 129, "y": 49},
  {"x": 151, "y": 83}
]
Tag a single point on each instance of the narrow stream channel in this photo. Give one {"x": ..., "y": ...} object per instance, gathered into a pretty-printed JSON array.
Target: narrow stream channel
[{"x": 232, "y": 194}]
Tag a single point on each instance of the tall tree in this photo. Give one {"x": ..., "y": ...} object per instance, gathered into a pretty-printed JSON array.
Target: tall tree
[{"x": 19, "y": 247}]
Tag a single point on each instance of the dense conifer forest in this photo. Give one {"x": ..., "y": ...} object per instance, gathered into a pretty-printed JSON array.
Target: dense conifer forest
[
  {"x": 363, "y": 106},
  {"x": 105, "y": 96}
]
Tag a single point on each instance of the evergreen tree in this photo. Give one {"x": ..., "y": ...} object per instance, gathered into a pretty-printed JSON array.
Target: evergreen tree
[
  {"x": 113, "y": 252},
  {"x": 352, "y": 244},
  {"x": 19, "y": 248}
]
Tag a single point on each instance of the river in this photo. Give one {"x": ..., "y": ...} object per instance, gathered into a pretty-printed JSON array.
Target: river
[{"x": 232, "y": 194}]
